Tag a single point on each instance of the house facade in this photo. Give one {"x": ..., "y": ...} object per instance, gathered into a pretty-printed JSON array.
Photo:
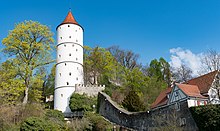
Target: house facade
[{"x": 195, "y": 92}]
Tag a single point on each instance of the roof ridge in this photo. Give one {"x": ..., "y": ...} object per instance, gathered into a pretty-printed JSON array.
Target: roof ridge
[{"x": 201, "y": 76}]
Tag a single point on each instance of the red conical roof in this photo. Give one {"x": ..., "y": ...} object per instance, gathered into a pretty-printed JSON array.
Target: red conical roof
[{"x": 69, "y": 19}]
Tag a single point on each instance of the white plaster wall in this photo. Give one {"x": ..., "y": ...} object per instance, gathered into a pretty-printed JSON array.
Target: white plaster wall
[
  {"x": 192, "y": 103},
  {"x": 69, "y": 69},
  {"x": 61, "y": 99},
  {"x": 68, "y": 74}
]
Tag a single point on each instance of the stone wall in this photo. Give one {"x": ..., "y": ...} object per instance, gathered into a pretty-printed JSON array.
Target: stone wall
[
  {"x": 168, "y": 117},
  {"x": 90, "y": 90}
]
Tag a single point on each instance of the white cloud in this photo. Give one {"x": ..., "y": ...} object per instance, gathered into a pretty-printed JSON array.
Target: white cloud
[{"x": 184, "y": 56}]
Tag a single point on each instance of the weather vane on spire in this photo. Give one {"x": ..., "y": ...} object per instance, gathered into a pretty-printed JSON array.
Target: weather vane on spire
[{"x": 70, "y": 5}]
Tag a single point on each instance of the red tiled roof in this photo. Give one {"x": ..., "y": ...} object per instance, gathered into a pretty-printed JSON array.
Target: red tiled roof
[
  {"x": 194, "y": 87},
  {"x": 162, "y": 98},
  {"x": 69, "y": 19},
  {"x": 190, "y": 90},
  {"x": 203, "y": 82}
]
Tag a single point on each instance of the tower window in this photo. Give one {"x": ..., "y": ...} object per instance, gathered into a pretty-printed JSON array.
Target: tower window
[
  {"x": 76, "y": 49},
  {"x": 69, "y": 36},
  {"x": 59, "y": 55},
  {"x": 68, "y": 25},
  {"x": 76, "y": 30},
  {"x": 72, "y": 45},
  {"x": 77, "y": 68},
  {"x": 76, "y": 40},
  {"x": 76, "y": 58},
  {"x": 64, "y": 45},
  {"x": 61, "y": 95},
  {"x": 65, "y": 64},
  {"x": 70, "y": 74},
  {"x": 69, "y": 54},
  {"x": 67, "y": 83},
  {"x": 77, "y": 78},
  {"x": 60, "y": 37},
  {"x": 60, "y": 74}
]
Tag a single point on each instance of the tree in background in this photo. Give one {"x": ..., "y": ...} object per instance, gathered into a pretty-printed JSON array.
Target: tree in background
[
  {"x": 98, "y": 62},
  {"x": 30, "y": 43},
  {"x": 160, "y": 69},
  {"x": 210, "y": 61},
  {"x": 127, "y": 59},
  {"x": 132, "y": 102},
  {"x": 182, "y": 73},
  {"x": 49, "y": 83}
]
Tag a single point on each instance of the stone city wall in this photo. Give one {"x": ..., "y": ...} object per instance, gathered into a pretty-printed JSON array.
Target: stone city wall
[
  {"x": 90, "y": 90},
  {"x": 163, "y": 118}
]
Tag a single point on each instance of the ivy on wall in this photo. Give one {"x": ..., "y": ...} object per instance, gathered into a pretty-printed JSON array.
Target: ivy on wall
[{"x": 207, "y": 117}]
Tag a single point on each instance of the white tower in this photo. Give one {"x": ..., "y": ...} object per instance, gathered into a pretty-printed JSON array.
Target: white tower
[{"x": 69, "y": 67}]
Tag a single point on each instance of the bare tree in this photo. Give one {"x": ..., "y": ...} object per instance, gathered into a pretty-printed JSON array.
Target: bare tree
[
  {"x": 182, "y": 73},
  {"x": 211, "y": 61},
  {"x": 126, "y": 58}
]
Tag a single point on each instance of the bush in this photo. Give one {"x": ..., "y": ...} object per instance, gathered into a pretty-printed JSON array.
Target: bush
[
  {"x": 98, "y": 122},
  {"x": 54, "y": 114},
  {"x": 82, "y": 102},
  {"x": 132, "y": 102},
  {"x": 207, "y": 117},
  {"x": 37, "y": 124},
  {"x": 80, "y": 125}
]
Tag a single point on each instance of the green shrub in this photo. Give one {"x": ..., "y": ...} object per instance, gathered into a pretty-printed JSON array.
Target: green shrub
[
  {"x": 38, "y": 124},
  {"x": 132, "y": 102},
  {"x": 98, "y": 122},
  {"x": 82, "y": 102},
  {"x": 207, "y": 117},
  {"x": 54, "y": 114}
]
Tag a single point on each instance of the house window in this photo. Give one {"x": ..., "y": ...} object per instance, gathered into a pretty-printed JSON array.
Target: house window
[
  {"x": 77, "y": 78},
  {"x": 69, "y": 36},
  {"x": 68, "y": 25},
  {"x": 77, "y": 68},
  {"x": 69, "y": 54},
  {"x": 70, "y": 73},
  {"x": 60, "y": 74},
  {"x": 176, "y": 93},
  {"x": 64, "y": 45},
  {"x": 182, "y": 121},
  {"x": 67, "y": 83},
  {"x": 76, "y": 49},
  {"x": 177, "y": 106},
  {"x": 65, "y": 64},
  {"x": 76, "y": 30},
  {"x": 59, "y": 55},
  {"x": 76, "y": 58},
  {"x": 60, "y": 27},
  {"x": 72, "y": 45},
  {"x": 76, "y": 40},
  {"x": 61, "y": 95},
  {"x": 60, "y": 37}
]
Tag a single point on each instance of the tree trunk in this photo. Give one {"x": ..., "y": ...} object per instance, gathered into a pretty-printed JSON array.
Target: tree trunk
[
  {"x": 25, "y": 100},
  {"x": 27, "y": 82}
]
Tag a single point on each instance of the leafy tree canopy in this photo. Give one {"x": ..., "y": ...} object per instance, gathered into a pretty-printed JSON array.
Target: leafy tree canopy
[{"x": 30, "y": 44}]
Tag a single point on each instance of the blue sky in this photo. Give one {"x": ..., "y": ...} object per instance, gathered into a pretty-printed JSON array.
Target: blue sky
[{"x": 148, "y": 27}]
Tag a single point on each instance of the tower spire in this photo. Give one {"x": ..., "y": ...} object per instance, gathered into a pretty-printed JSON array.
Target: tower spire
[{"x": 69, "y": 19}]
